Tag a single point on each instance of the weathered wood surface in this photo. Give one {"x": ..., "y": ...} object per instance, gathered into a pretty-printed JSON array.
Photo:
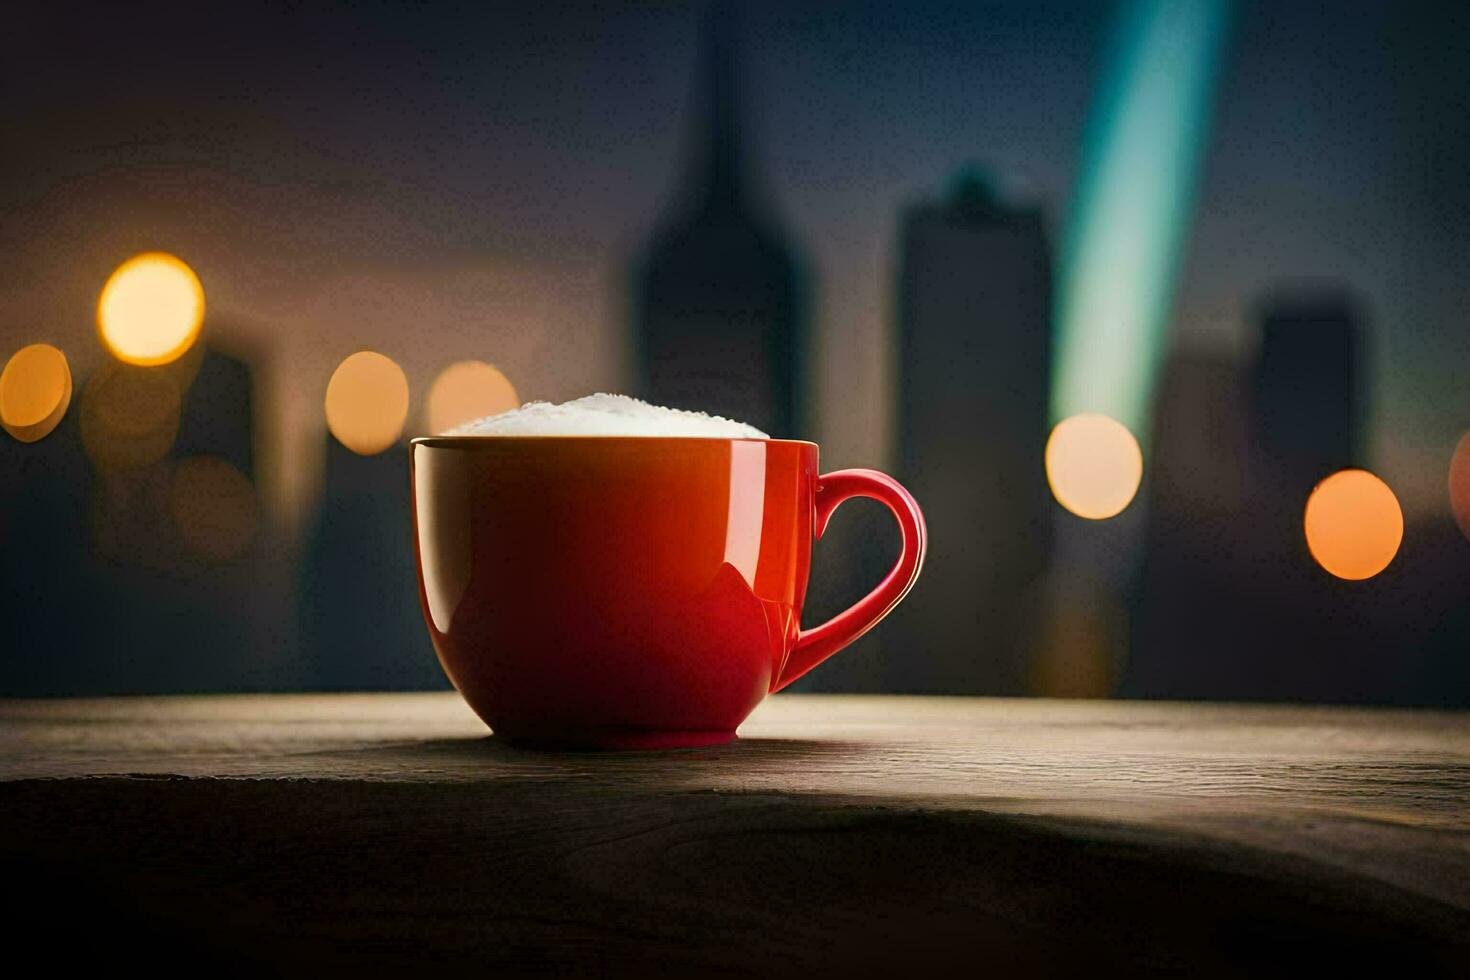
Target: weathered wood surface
[{"x": 862, "y": 833}]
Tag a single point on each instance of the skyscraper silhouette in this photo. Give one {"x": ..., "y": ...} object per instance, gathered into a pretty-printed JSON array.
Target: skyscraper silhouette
[
  {"x": 126, "y": 577},
  {"x": 1230, "y": 603},
  {"x": 47, "y": 578},
  {"x": 718, "y": 318},
  {"x": 218, "y": 412},
  {"x": 1194, "y": 611},
  {"x": 189, "y": 589},
  {"x": 974, "y": 327},
  {"x": 358, "y": 599},
  {"x": 1305, "y": 388}
]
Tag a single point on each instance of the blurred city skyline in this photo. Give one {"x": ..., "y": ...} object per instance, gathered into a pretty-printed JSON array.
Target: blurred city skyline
[{"x": 461, "y": 183}]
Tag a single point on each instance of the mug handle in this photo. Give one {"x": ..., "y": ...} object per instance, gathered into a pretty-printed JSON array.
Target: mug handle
[{"x": 820, "y": 642}]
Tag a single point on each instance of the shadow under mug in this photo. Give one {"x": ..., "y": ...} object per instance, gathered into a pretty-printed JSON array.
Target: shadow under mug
[{"x": 632, "y": 592}]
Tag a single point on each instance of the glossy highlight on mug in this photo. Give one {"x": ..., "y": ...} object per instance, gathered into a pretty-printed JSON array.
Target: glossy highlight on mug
[{"x": 632, "y": 592}]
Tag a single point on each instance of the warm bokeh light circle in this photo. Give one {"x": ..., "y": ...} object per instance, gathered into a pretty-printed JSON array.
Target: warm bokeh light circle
[
  {"x": 1354, "y": 525},
  {"x": 367, "y": 402},
  {"x": 213, "y": 506},
  {"x": 1460, "y": 484},
  {"x": 35, "y": 390},
  {"x": 151, "y": 309},
  {"x": 468, "y": 390},
  {"x": 1094, "y": 465},
  {"x": 129, "y": 415}
]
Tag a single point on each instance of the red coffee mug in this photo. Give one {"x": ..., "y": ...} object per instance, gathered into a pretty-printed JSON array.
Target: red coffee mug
[{"x": 632, "y": 592}]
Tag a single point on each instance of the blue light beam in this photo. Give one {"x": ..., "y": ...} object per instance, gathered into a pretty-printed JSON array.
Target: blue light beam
[{"x": 1131, "y": 209}]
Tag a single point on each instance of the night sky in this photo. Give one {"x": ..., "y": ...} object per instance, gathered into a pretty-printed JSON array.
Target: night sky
[{"x": 472, "y": 181}]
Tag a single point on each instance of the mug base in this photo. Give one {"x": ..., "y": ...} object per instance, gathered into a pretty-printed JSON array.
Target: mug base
[{"x": 622, "y": 739}]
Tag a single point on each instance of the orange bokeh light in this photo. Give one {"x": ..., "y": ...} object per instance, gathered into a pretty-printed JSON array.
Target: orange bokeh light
[
  {"x": 1460, "y": 484},
  {"x": 130, "y": 415},
  {"x": 213, "y": 506},
  {"x": 35, "y": 390},
  {"x": 150, "y": 309},
  {"x": 1354, "y": 524},
  {"x": 468, "y": 390},
  {"x": 1094, "y": 465},
  {"x": 367, "y": 402}
]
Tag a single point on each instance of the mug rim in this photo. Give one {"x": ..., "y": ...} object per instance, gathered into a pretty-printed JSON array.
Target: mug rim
[{"x": 470, "y": 441}]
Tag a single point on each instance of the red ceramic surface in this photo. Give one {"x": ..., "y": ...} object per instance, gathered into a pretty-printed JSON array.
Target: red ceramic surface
[{"x": 632, "y": 592}]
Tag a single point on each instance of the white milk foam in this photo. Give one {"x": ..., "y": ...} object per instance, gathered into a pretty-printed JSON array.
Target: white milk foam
[{"x": 606, "y": 415}]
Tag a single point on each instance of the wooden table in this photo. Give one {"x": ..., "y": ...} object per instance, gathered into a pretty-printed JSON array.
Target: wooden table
[{"x": 864, "y": 834}]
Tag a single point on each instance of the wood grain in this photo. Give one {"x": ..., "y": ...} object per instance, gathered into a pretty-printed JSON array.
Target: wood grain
[{"x": 388, "y": 832}]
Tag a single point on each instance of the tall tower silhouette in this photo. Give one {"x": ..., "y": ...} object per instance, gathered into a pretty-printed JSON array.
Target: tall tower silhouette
[
  {"x": 718, "y": 319},
  {"x": 357, "y": 599},
  {"x": 974, "y": 326},
  {"x": 1229, "y": 603},
  {"x": 47, "y": 576},
  {"x": 218, "y": 411},
  {"x": 131, "y": 538},
  {"x": 1194, "y": 613},
  {"x": 1305, "y": 387}
]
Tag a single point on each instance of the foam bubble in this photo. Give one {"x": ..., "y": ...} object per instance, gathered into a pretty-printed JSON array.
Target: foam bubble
[{"x": 606, "y": 415}]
